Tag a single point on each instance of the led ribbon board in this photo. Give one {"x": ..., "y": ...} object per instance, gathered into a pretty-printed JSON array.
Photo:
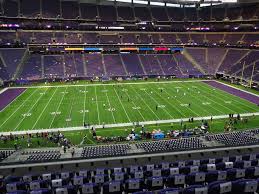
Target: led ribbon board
[
  {"x": 74, "y": 49},
  {"x": 161, "y": 49},
  {"x": 146, "y": 49},
  {"x": 93, "y": 49}
]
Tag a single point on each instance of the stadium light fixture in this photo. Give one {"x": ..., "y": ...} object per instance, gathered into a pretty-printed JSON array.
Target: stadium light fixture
[
  {"x": 205, "y": 4},
  {"x": 124, "y": 1},
  {"x": 212, "y": 1},
  {"x": 229, "y": 1},
  {"x": 140, "y": 2},
  {"x": 173, "y": 5},
  {"x": 157, "y": 3},
  {"x": 192, "y": 5}
]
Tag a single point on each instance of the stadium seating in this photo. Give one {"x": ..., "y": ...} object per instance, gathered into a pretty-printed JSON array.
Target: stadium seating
[
  {"x": 33, "y": 156},
  {"x": 71, "y": 10},
  {"x": 223, "y": 46},
  {"x": 75, "y": 37},
  {"x": 5, "y": 153},
  {"x": 218, "y": 175},
  {"x": 233, "y": 139},
  {"x": 179, "y": 144},
  {"x": 101, "y": 151},
  {"x": 36, "y": 66}
]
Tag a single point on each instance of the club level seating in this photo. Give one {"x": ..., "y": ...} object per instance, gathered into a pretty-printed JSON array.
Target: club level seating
[
  {"x": 233, "y": 174},
  {"x": 78, "y": 37}
]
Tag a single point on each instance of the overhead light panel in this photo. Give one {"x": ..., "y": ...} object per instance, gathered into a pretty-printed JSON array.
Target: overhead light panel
[
  {"x": 157, "y": 3},
  {"x": 140, "y": 2},
  {"x": 124, "y": 1},
  {"x": 205, "y": 5},
  {"x": 172, "y": 5},
  {"x": 229, "y": 1}
]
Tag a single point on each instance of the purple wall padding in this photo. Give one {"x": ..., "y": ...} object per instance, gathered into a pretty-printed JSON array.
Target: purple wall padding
[
  {"x": 242, "y": 94},
  {"x": 9, "y": 95}
]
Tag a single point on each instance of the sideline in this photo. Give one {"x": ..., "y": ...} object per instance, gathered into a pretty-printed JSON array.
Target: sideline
[
  {"x": 110, "y": 84},
  {"x": 125, "y": 124}
]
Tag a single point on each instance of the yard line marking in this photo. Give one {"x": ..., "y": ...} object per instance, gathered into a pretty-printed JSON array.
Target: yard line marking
[
  {"x": 122, "y": 105},
  {"x": 136, "y": 106},
  {"x": 233, "y": 100},
  {"x": 18, "y": 108},
  {"x": 174, "y": 107},
  {"x": 71, "y": 107},
  {"x": 145, "y": 103},
  {"x": 185, "y": 87},
  {"x": 58, "y": 108},
  {"x": 157, "y": 103},
  {"x": 28, "y": 112},
  {"x": 110, "y": 106},
  {"x": 210, "y": 99},
  {"x": 98, "y": 113},
  {"x": 44, "y": 109},
  {"x": 84, "y": 107}
]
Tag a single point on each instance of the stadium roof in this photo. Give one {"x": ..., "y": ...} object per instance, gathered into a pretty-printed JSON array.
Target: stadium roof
[
  {"x": 180, "y": 1},
  {"x": 177, "y": 3}
]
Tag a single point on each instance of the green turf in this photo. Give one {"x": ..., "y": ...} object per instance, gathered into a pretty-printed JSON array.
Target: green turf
[
  {"x": 70, "y": 106},
  {"x": 84, "y": 137}
]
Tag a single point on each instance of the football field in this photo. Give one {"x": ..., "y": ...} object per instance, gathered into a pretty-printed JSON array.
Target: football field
[{"x": 97, "y": 104}]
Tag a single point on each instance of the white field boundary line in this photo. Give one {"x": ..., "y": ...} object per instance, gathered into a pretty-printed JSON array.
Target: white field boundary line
[
  {"x": 3, "y": 90},
  {"x": 12, "y": 100},
  {"x": 237, "y": 101},
  {"x": 31, "y": 108},
  {"x": 237, "y": 88},
  {"x": 215, "y": 96},
  {"x": 18, "y": 108},
  {"x": 110, "y": 84},
  {"x": 127, "y": 124}
]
